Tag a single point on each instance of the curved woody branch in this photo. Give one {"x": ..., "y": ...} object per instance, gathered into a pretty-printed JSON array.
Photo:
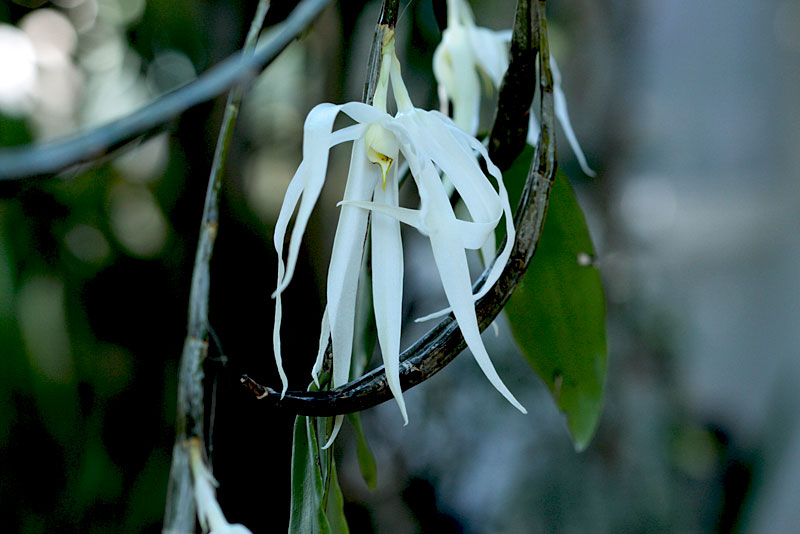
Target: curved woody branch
[
  {"x": 42, "y": 159},
  {"x": 431, "y": 353}
]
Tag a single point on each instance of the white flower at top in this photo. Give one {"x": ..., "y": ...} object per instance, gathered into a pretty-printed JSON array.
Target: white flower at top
[
  {"x": 465, "y": 51},
  {"x": 431, "y": 144}
]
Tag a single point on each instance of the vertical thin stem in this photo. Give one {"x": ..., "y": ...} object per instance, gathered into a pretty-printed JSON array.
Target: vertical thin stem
[
  {"x": 546, "y": 147},
  {"x": 510, "y": 128},
  {"x": 180, "y": 508},
  {"x": 386, "y": 23}
]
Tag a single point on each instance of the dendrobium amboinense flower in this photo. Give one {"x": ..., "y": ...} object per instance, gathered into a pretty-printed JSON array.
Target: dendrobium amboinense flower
[
  {"x": 431, "y": 144},
  {"x": 465, "y": 51}
]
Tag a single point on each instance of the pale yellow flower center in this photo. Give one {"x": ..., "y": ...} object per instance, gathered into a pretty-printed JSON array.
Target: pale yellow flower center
[{"x": 382, "y": 148}]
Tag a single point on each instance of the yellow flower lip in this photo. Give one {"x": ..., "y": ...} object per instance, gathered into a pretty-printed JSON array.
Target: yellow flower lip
[{"x": 382, "y": 148}]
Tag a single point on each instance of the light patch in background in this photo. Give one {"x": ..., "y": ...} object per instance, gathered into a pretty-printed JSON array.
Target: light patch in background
[
  {"x": 40, "y": 309},
  {"x": 267, "y": 177},
  {"x": 648, "y": 206},
  {"x": 169, "y": 70},
  {"x": 104, "y": 50},
  {"x": 87, "y": 243},
  {"x": 52, "y": 35},
  {"x": 18, "y": 67},
  {"x": 146, "y": 162},
  {"x": 120, "y": 12},
  {"x": 58, "y": 89},
  {"x": 272, "y": 111},
  {"x": 82, "y": 13},
  {"x": 137, "y": 221},
  {"x": 115, "y": 91}
]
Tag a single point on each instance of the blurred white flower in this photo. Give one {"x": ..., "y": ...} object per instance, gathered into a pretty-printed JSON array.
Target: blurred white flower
[
  {"x": 467, "y": 50},
  {"x": 431, "y": 144},
  {"x": 208, "y": 510}
]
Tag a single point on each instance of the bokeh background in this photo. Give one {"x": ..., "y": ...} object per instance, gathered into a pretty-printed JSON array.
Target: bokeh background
[{"x": 689, "y": 112}]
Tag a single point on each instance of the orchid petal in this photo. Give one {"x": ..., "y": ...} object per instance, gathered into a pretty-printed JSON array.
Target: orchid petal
[
  {"x": 491, "y": 51},
  {"x": 452, "y": 264},
  {"x": 560, "y": 108},
  {"x": 337, "y": 426},
  {"x": 293, "y": 193},
  {"x": 387, "y": 287},
  {"x": 364, "y": 113},
  {"x": 345, "y": 266},
  {"x": 404, "y": 215},
  {"x": 469, "y": 234},
  {"x": 454, "y": 156},
  {"x": 316, "y": 145},
  {"x": 457, "y": 66},
  {"x": 324, "y": 337},
  {"x": 502, "y": 258}
]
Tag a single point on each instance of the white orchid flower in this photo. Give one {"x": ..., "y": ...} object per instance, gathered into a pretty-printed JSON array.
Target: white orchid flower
[
  {"x": 466, "y": 50},
  {"x": 431, "y": 144},
  {"x": 208, "y": 510}
]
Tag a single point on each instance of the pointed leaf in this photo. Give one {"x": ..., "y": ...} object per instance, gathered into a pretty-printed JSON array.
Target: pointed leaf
[
  {"x": 335, "y": 509},
  {"x": 307, "y": 515},
  {"x": 557, "y": 313},
  {"x": 366, "y": 460}
]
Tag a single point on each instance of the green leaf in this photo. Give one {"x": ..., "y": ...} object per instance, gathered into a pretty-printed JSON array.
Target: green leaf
[
  {"x": 366, "y": 460},
  {"x": 307, "y": 515},
  {"x": 557, "y": 312},
  {"x": 335, "y": 508},
  {"x": 317, "y": 503}
]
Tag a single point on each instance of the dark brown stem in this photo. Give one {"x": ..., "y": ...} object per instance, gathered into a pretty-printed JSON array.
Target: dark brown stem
[{"x": 510, "y": 129}]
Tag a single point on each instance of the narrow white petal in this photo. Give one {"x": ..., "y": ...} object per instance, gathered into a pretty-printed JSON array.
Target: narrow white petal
[
  {"x": 289, "y": 203},
  {"x": 452, "y": 265},
  {"x": 491, "y": 51},
  {"x": 450, "y": 151},
  {"x": 350, "y": 133},
  {"x": 387, "y": 286},
  {"x": 345, "y": 266},
  {"x": 489, "y": 249},
  {"x": 502, "y": 257},
  {"x": 316, "y": 144},
  {"x": 444, "y": 76},
  {"x": 481, "y": 195},
  {"x": 560, "y": 106},
  {"x": 337, "y": 426},
  {"x": 340, "y": 136},
  {"x": 364, "y": 113},
  {"x": 465, "y": 91},
  {"x": 471, "y": 235},
  {"x": 276, "y": 342},
  {"x": 404, "y": 215},
  {"x": 324, "y": 337}
]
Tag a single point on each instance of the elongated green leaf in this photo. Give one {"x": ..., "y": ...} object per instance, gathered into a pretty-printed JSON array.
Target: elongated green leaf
[
  {"x": 307, "y": 515},
  {"x": 557, "y": 313},
  {"x": 335, "y": 507},
  {"x": 366, "y": 460}
]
